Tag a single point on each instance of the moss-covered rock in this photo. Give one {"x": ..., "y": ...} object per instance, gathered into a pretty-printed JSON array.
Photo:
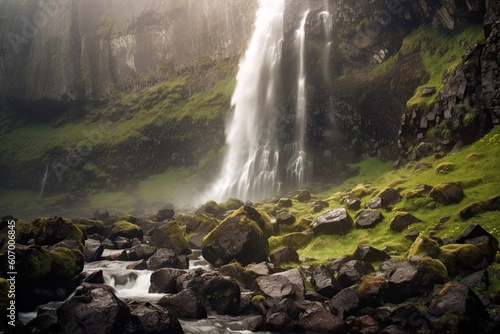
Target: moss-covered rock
[
  {"x": 89, "y": 226},
  {"x": 424, "y": 245},
  {"x": 463, "y": 258},
  {"x": 476, "y": 208},
  {"x": 285, "y": 203},
  {"x": 50, "y": 231},
  {"x": 303, "y": 196},
  {"x": 66, "y": 263},
  {"x": 371, "y": 291},
  {"x": 447, "y": 193},
  {"x": 201, "y": 223},
  {"x": 233, "y": 204},
  {"x": 125, "y": 229},
  {"x": 445, "y": 168},
  {"x": 297, "y": 240},
  {"x": 245, "y": 278},
  {"x": 23, "y": 232},
  {"x": 402, "y": 220},
  {"x": 212, "y": 208},
  {"x": 128, "y": 218},
  {"x": 170, "y": 236}
]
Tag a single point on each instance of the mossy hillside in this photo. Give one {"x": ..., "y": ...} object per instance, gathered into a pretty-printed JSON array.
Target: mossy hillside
[{"x": 479, "y": 178}]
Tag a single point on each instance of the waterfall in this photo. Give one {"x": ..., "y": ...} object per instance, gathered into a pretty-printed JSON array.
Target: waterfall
[
  {"x": 44, "y": 180},
  {"x": 250, "y": 166},
  {"x": 327, "y": 22},
  {"x": 297, "y": 167}
]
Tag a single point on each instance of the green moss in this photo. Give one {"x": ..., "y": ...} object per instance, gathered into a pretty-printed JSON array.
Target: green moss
[
  {"x": 445, "y": 168},
  {"x": 4, "y": 290},
  {"x": 91, "y": 226},
  {"x": 49, "y": 231},
  {"x": 233, "y": 204},
  {"x": 433, "y": 267},
  {"x": 128, "y": 218},
  {"x": 461, "y": 257},
  {"x": 125, "y": 229},
  {"x": 33, "y": 264},
  {"x": 23, "y": 232},
  {"x": 424, "y": 245},
  {"x": 66, "y": 263}
]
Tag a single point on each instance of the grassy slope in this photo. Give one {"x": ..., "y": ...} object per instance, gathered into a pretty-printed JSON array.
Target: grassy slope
[{"x": 479, "y": 176}]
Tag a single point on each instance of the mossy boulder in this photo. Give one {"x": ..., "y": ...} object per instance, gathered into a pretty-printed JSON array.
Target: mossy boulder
[
  {"x": 125, "y": 229},
  {"x": 297, "y": 240},
  {"x": 285, "y": 203},
  {"x": 50, "y": 231},
  {"x": 128, "y": 218},
  {"x": 239, "y": 237},
  {"x": 201, "y": 223},
  {"x": 212, "y": 208},
  {"x": 463, "y": 258},
  {"x": 66, "y": 263},
  {"x": 232, "y": 204},
  {"x": 89, "y": 226},
  {"x": 303, "y": 196},
  {"x": 371, "y": 291},
  {"x": 170, "y": 236},
  {"x": 360, "y": 191},
  {"x": 447, "y": 193},
  {"x": 389, "y": 196},
  {"x": 402, "y": 220},
  {"x": 245, "y": 278},
  {"x": 445, "y": 168},
  {"x": 476, "y": 208},
  {"x": 23, "y": 232},
  {"x": 424, "y": 245}
]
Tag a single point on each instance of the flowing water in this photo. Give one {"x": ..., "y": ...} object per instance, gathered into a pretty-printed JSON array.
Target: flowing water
[
  {"x": 250, "y": 168},
  {"x": 44, "y": 181}
]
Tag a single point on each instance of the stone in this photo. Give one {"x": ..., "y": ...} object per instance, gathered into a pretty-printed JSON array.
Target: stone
[
  {"x": 368, "y": 218},
  {"x": 280, "y": 322},
  {"x": 428, "y": 91},
  {"x": 402, "y": 220},
  {"x": 285, "y": 203},
  {"x": 424, "y": 245},
  {"x": 93, "y": 250},
  {"x": 317, "y": 319},
  {"x": 284, "y": 255},
  {"x": 50, "y": 231},
  {"x": 154, "y": 320},
  {"x": 353, "y": 203},
  {"x": 141, "y": 252},
  {"x": 122, "y": 242},
  {"x": 412, "y": 235},
  {"x": 96, "y": 277},
  {"x": 371, "y": 291},
  {"x": 303, "y": 196},
  {"x": 184, "y": 304},
  {"x": 101, "y": 214},
  {"x": 374, "y": 203},
  {"x": 201, "y": 224},
  {"x": 297, "y": 240},
  {"x": 165, "y": 214},
  {"x": 344, "y": 303},
  {"x": 167, "y": 258},
  {"x": 165, "y": 280},
  {"x": 89, "y": 226},
  {"x": 285, "y": 218},
  {"x": 370, "y": 254},
  {"x": 295, "y": 277},
  {"x": 475, "y": 230},
  {"x": 95, "y": 311},
  {"x": 275, "y": 286},
  {"x": 351, "y": 272},
  {"x": 476, "y": 208},
  {"x": 478, "y": 279},
  {"x": 239, "y": 237},
  {"x": 389, "y": 196},
  {"x": 169, "y": 235},
  {"x": 336, "y": 221},
  {"x": 125, "y": 229},
  {"x": 447, "y": 193},
  {"x": 324, "y": 282},
  {"x": 463, "y": 258}
]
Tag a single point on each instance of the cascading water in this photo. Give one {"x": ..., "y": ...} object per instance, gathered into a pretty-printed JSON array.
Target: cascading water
[
  {"x": 327, "y": 22},
  {"x": 297, "y": 168},
  {"x": 44, "y": 180},
  {"x": 250, "y": 168}
]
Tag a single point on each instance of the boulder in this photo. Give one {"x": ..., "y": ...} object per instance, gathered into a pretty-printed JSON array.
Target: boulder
[
  {"x": 297, "y": 240},
  {"x": 141, "y": 252},
  {"x": 370, "y": 254},
  {"x": 167, "y": 258},
  {"x": 424, "y": 245},
  {"x": 125, "y": 229},
  {"x": 476, "y": 208},
  {"x": 232, "y": 204},
  {"x": 317, "y": 319},
  {"x": 371, "y": 291},
  {"x": 201, "y": 224},
  {"x": 280, "y": 322},
  {"x": 324, "y": 282},
  {"x": 165, "y": 214},
  {"x": 165, "y": 280},
  {"x": 122, "y": 242},
  {"x": 402, "y": 220},
  {"x": 458, "y": 310},
  {"x": 463, "y": 258},
  {"x": 336, "y": 221},
  {"x": 368, "y": 218},
  {"x": 154, "y": 320},
  {"x": 285, "y": 218},
  {"x": 239, "y": 237},
  {"x": 389, "y": 197},
  {"x": 93, "y": 250},
  {"x": 478, "y": 279},
  {"x": 295, "y": 277},
  {"x": 169, "y": 235},
  {"x": 374, "y": 203},
  {"x": 447, "y": 193},
  {"x": 285, "y": 203},
  {"x": 352, "y": 271},
  {"x": 89, "y": 226},
  {"x": 196, "y": 241},
  {"x": 95, "y": 311},
  {"x": 303, "y": 196},
  {"x": 50, "y": 231},
  {"x": 275, "y": 286},
  {"x": 218, "y": 294},
  {"x": 284, "y": 255},
  {"x": 344, "y": 303},
  {"x": 353, "y": 203},
  {"x": 474, "y": 231},
  {"x": 184, "y": 304}
]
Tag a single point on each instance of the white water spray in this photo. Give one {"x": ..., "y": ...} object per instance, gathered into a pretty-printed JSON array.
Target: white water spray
[
  {"x": 250, "y": 168},
  {"x": 44, "y": 180},
  {"x": 327, "y": 22}
]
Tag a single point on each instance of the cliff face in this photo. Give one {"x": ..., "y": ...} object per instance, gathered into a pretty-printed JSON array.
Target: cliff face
[{"x": 67, "y": 50}]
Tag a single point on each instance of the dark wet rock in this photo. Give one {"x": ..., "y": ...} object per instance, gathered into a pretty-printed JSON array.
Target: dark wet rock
[
  {"x": 196, "y": 240},
  {"x": 201, "y": 224},
  {"x": 366, "y": 324},
  {"x": 459, "y": 310},
  {"x": 165, "y": 214},
  {"x": 351, "y": 272},
  {"x": 122, "y": 243},
  {"x": 50, "y": 231},
  {"x": 170, "y": 236},
  {"x": 303, "y": 196},
  {"x": 474, "y": 231},
  {"x": 141, "y": 252},
  {"x": 295, "y": 277},
  {"x": 336, "y": 221},
  {"x": 275, "y": 286},
  {"x": 285, "y": 203},
  {"x": 280, "y": 322},
  {"x": 402, "y": 220},
  {"x": 317, "y": 319},
  {"x": 408, "y": 318},
  {"x": 239, "y": 237},
  {"x": 108, "y": 244},
  {"x": 374, "y": 203},
  {"x": 353, "y": 203},
  {"x": 141, "y": 265},
  {"x": 447, "y": 193},
  {"x": 412, "y": 235},
  {"x": 284, "y": 255},
  {"x": 101, "y": 214},
  {"x": 167, "y": 258},
  {"x": 93, "y": 250},
  {"x": 415, "y": 277},
  {"x": 370, "y": 254},
  {"x": 324, "y": 282},
  {"x": 96, "y": 277},
  {"x": 45, "y": 322},
  {"x": 122, "y": 256},
  {"x": 389, "y": 197},
  {"x": 261, "y": 269},
  {"x": 476, "y": 280},
  {"x": 154, "y": 320},
  {"x": 320, "y": 205},
  {"x": 428, "y": 91},
  {"x": 368, "y": 218},
  {"x": 96, "y": 311},
  {"x": 240, "y": 274},
  {"x": 344, "y": 303},
  {"x": 184, "y": 304},
  {"x": 476, "y": 208},
  {"x": 371, "y": 291},
  {"x": 285, "y": 218},
  {"x": 89, "y": 226},
  {"x": 165, "y": 280},
  {"x": 335, "y": 264}
]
